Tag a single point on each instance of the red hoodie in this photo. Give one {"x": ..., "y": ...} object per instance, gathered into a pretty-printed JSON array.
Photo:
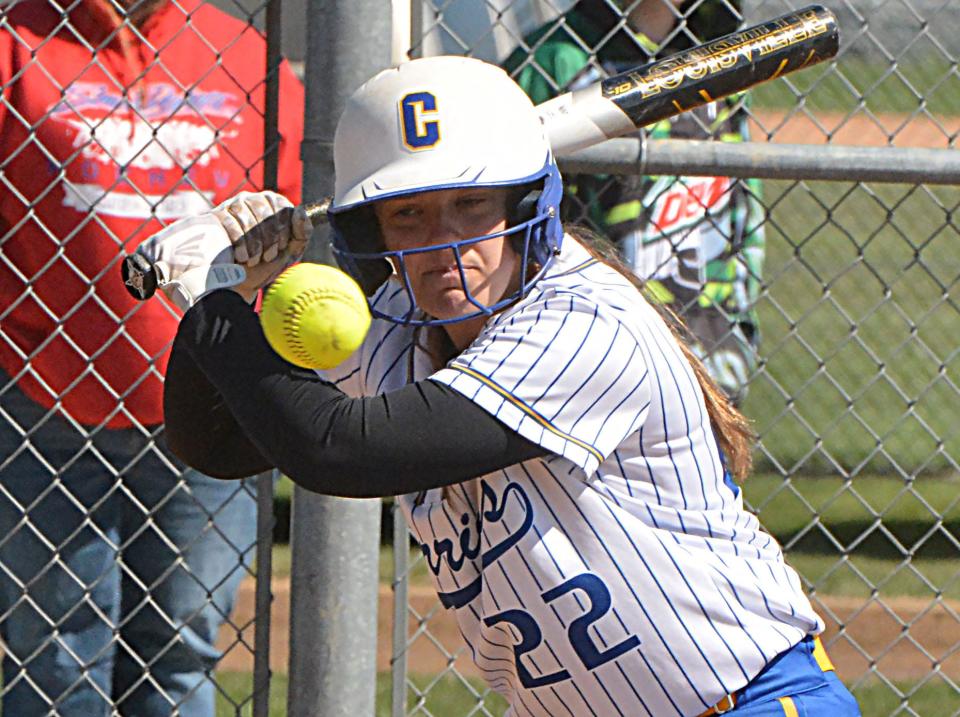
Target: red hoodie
[{"x": 107, "y": 131}]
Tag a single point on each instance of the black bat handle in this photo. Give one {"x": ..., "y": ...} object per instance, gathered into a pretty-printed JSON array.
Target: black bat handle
[
  {"x": 139, "y": 276},
  {"x": 317, "y": 211}
]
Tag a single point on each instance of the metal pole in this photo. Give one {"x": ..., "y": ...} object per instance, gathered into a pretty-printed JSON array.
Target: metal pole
[
  {"x": 402, "y": 15},
  {"x": 401, "y": 583},
  {"x": 335, "y": 542},
  {"x": 263, "y": 595},
  {"x": 416, "y": 29},
  {"x": 913, "y": 165}
]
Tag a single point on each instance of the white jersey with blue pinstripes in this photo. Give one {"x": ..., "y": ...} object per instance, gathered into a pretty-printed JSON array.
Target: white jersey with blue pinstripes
[{"x": 621, "y": 575}]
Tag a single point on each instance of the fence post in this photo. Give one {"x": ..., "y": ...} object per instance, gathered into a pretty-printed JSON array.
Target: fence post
[
  {"x": 335, "y": 542},
  {"x": 265, "y": 519}
]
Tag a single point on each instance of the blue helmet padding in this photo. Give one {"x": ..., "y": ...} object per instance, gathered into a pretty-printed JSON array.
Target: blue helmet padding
[{"x": 359, "y": 250}]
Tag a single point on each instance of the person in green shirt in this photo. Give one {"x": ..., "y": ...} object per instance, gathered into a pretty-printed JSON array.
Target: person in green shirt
[{"x": 697, "y": 241}]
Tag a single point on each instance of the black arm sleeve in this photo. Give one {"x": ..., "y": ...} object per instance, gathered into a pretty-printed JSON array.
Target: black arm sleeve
[
  {"x": 200, "y": 429},
  {"x": 234, "y": 408}
]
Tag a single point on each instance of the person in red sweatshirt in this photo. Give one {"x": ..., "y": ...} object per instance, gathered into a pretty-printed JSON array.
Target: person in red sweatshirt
[{"x": 117, "y": 565}]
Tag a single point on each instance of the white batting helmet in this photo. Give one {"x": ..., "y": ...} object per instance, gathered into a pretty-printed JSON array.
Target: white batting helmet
[{"x": 441, "y": 123}]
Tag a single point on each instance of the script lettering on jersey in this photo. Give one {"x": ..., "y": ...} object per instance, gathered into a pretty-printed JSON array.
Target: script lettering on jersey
[{"x": 467, "y": 545}]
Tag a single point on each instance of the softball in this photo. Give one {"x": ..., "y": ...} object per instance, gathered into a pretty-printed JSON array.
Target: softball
[{"x": 314, "y": 316}]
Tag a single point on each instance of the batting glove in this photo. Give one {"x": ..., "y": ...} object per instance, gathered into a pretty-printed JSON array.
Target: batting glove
[
  {"x": 243, "y": 243},
  {"x": 267, "y": 234}
]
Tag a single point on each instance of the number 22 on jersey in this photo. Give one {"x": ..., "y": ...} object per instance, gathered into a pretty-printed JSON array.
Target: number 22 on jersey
[{"x": 598, "y": 604}]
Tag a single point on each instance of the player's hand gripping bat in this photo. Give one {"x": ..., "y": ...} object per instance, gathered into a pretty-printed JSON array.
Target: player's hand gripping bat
[{"x": 636, "y": 98}]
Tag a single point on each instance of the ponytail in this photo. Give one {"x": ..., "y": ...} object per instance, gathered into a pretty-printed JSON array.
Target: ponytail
[{"x": 731, "y": 427}]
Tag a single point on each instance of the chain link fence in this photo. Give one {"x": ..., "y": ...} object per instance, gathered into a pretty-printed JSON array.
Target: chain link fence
[
  {"x": 844, "y": 296},
  {"x": 840, "y": 295},
  {"x": 119, "y": 568}
]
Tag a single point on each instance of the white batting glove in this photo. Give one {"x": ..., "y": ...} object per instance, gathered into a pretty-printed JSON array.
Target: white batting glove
[
  {"x": 192, "y": 257},
  {"x": 243, "y": 243}
]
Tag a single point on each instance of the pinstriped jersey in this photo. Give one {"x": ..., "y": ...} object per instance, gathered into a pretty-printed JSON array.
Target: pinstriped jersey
[{"x": 620, "y": 574}]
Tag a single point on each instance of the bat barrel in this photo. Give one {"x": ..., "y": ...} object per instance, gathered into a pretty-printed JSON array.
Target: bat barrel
[
  {"x": 668, "y": 87},
  {"x": 725, "y": 66}
]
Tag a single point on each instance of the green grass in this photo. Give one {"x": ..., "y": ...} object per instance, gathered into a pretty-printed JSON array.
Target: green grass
[
  {"x": 417, "y": 572},
  {"x": 452, "y": 697},
  {"x": 856, "y": 404},
  {"x": 235, "y": 694},
  {"x": 859, "y": 321},
  {"x": 448, "y": 695},
  {"x": 860, "y": 366},
  {"x": 857, "y": 396},
  {"x": 869, "y": 533},
  {"x": 283, "y": 490},
  {"x": 845, "y": 537},
  {"x": 860, "y": 369},
  {"x": 281, "y": 559},
  {"x": 935, "y": 698},
  {"x": 786, "y": 507},
  {"x": 905, "y": 85}
]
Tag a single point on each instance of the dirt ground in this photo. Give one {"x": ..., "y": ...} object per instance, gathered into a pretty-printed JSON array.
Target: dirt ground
[
  {"x": 901, "y": 638},
  {"x": 860, "y": 129}
]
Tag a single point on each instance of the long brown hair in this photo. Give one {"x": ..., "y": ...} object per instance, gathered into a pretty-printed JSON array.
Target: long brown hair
[{"x": 732, "y": 429}]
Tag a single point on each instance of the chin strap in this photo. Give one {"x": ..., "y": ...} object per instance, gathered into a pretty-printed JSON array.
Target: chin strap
[{"x": 526, "y": 207}]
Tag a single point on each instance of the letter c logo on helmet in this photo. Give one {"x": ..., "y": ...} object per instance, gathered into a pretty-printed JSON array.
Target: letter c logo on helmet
[{"x": 418, "y": 130}]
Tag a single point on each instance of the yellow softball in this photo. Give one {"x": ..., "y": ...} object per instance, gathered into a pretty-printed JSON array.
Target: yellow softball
[{"x": 314, "y": 316}]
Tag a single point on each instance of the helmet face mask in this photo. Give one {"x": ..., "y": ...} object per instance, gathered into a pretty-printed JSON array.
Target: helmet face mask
[{"x": 434, "y": 124}]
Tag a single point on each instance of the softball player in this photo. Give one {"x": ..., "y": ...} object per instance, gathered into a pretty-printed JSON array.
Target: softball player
[{"x": 564, "y": 462}]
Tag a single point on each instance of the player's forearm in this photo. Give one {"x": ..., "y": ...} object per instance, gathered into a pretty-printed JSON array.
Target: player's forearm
[
  {"x": 200, "y": 429},
  {"x": 422, "y": 436}
]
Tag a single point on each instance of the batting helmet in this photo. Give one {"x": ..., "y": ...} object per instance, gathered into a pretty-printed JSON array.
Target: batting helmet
[{"x": 442, "y": 123}]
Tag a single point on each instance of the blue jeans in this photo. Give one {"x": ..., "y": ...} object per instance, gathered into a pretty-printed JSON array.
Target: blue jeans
[{"x": 116, "y": 569}]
